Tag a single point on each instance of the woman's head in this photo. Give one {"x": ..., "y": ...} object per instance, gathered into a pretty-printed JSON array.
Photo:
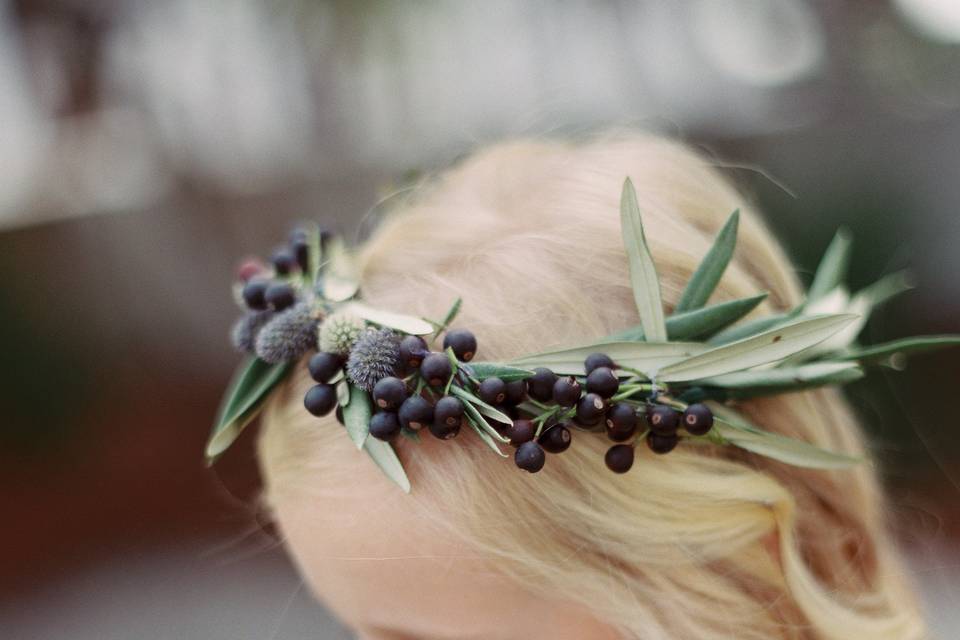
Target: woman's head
[{"x": 703, "y": 543}]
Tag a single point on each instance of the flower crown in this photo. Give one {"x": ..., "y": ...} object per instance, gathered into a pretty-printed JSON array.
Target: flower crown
[{"x": 667, "y": 381}]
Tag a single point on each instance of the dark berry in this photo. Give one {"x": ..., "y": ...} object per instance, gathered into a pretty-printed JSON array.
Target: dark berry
[
  {"x": 463, "y": 343},
  {"x": 492, "y": 391},
  {"x": 249, "y": 268},
  {"x": 556, "y": 439},
  {"x": 323, "y": 366},
  {"x": 621, "y": 422},
  {"x": 283, "y": 261},
  {"x": 301, "y": 252},
  {"x": 663, "y": 419},
  {"x": 697, "y": 419},
  {"x": 436, "y": 369},
  {"x": 389, "y": 393},
  {"x": 619, "y": 458},
  {"x": 566, "y": 391},
  {"x": 603, "y": 382},
  {"x": 590, "y": 409},
  {"x": 448, "y": 411},
  {"x": 540, "y": 385},
  {"x": 320, "y": 399},
  {"x": 415, "y": 413},
  {"x": 516, "y": 392},
  {"x": 253, "y": 294},
  {"x": 522, "y": 430},
  {"x": 530, "y": 457},
  {"x": 413, "y": 349},
  {"x": 660, "y": 443},
  {"x": 280, "y": 296},
  {"x": 444, "y": 431},
  {"x": 595, "y": 360},
  {"x": 384, "y": 425}
]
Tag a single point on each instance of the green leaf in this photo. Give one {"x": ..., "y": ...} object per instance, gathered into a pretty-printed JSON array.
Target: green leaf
[
  {"x": 343, "y": 393},
  {"x": 735, "y": 430},
  {"x": 696, "y": 324},
  {"x": 251, "y": 384},
  {"x": 752, "y": 328},
  {"x": 749, "y": 384},
  {"x": 705, "y": 278},
  {"x": 407, "y": 324},
  {"x": 386, "y": 458},
  {"x": 886, "y": 288},
  {"x": 341, "y": 278},
  {"x": 475, "y": 405},
  {"x": 480, "y": 431},
  {"x": 643, "y": 274},
  {"x": 643, "y": 356},
  {"x": 832, "y": 269},
  {"x": 356, "y": 415},
  {"x": 314, "y": 254},
  {"x": 769, "y": 346},
  {"x": 892, "y": 351},
  {"x": 483, "y": 370}
]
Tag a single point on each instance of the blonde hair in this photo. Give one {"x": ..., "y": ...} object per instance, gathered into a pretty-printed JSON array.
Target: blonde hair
[{"x": 702, "y": 543}]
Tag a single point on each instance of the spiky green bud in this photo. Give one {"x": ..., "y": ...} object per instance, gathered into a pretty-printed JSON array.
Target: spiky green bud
[{"x": 339, "y": 331}]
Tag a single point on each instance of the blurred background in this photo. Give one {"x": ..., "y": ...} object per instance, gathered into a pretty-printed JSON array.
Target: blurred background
[{"x": 146, "y": 146}]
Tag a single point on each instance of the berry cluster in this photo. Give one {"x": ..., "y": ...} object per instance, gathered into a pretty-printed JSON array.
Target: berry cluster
[{"x": 280, "y": 324}]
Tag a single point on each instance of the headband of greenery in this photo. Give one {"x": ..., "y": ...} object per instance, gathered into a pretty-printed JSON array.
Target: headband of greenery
[{"x": 665, "y": 381}]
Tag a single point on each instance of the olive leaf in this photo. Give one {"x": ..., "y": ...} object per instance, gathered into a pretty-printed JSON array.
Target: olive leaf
[
  {"x": 832, "y": 269},
  {"x": 749, "y": 384},
  {"x": 708, "y": 274},
  {"x": 478, "y": 408},
  {"x": 401, "y": 322},
  {"x": 314, "y": 254},
  {"x": 889, "y": 352},
  {"x": 643, "y": 274},
  {"x": 343, "y": 393},
  {"x": 385, "y": 457},
  {"x": 752, "y": 328},
  {"x": 736, "y": 430},
  {"x": 769, "y": 346},
  {"x": 699, "y": 323},
  {"x": 251, "y": 384},
  {"x": 483, "y": 370},
  {"x": 643, "y": 356},
  {"x": 480, "y": 431},
  {"x": 356, "y": 415},
  {"x": 341, "y": 278}
]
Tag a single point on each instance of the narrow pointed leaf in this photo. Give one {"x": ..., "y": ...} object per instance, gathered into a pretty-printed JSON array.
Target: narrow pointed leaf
[
  {"x": 643, "y": 356},
  {"x": 736, "y": 430},
  {"x": 769, "y": 346},
  {"x": 891, "y": 351},
  {"x": 471, "y": 401},
  {"x": 696, "y": 324},
  {"x": 314, "y": 254},
  {"x": 251, "y": 384},
  {"x": 750, "y": 384},
  {"x": 450, "y": 317},
  {"x": 343, "y": 393},
  {"x": 751, "y": 328},
  {"x": 407, "y": 324},
  {"x": 643, "y": 274},
  {"x": 485, "y": 437},
  {"x": 832, "y": 269},
  {"x": 385, "y": 457},
  {"x": 483, "y": 370},
  {"x": 704, "y": 280},
  {"x": 356, "y": 415},
  {"x": 473, "y": 412}
]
